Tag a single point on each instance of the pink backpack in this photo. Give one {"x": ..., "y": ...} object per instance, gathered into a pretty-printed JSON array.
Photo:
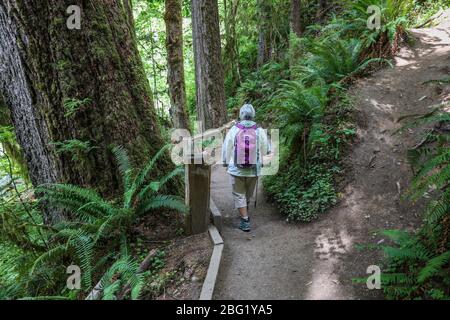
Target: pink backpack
[{"x": 245, "y": 146}]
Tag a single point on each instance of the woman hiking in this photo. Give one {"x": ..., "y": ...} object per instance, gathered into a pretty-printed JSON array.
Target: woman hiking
[{"x": 242, "y": 153}]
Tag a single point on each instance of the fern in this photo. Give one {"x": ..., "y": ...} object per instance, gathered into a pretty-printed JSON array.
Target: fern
[
  {"x": 95, "y": 219},
  {"x": 75, "y": 147},
  {"x": 125, "y": 271},
  {"x": 73, "y": 105},
  {"x": 434, "y": 266},
  {"x": 335, "y": 60},
  {"x": 301, "y": 114},
  {"x": 419, "y": 264}
]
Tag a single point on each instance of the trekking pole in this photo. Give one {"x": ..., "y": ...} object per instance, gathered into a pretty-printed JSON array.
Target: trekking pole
[{"x": 256, "y": 194}]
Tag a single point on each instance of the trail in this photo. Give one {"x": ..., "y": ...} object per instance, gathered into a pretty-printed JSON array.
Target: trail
[{"x": 278, "y": 260}]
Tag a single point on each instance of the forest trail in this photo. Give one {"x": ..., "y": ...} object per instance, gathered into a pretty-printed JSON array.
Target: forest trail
[{"x": 317, "y": 260}]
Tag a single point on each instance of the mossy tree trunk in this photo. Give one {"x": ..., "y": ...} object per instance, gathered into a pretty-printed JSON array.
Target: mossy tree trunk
[
  {"x": 175, "y": 63},
  {"x": 87, "y": 86},
  {"x": 209, "y": 76}
]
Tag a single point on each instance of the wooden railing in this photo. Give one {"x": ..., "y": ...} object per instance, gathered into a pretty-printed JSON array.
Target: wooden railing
[{"x": 198, "y": 189}]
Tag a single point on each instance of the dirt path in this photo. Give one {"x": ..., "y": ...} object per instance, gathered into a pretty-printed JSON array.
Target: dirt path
[{"x": 318, "y": 260}]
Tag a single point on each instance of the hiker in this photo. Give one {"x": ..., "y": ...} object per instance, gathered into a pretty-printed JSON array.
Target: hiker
[{"x": 242, "y": 153}]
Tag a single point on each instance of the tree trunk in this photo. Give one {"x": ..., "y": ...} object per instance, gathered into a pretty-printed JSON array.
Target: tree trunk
[
  {"x": 175, "y": 64},
  {"x": 265, "y": 31},
  {"x": 231, "y": 51},
  {"x": 296, "y": 25},
  {"x": 209, "y": 76},
  {"x": 86, "y": 87}
]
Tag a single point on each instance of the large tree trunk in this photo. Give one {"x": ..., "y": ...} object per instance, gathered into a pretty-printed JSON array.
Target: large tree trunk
[
  {"x": 265, "y": 31},
  {"x": 95, "y": 72},
  {"x": 296, "y": 25},
  {"x": 209, "y": 76},
  {"x": 175, "y": 64}
]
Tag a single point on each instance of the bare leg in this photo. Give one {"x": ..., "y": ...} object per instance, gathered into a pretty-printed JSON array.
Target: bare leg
[{"x": 243, "y": 212}]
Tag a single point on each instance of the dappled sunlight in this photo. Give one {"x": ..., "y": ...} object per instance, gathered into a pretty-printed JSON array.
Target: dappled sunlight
[
  {"x": 331, "y": 246},
  {"x": 432, "y": 42},
  {"x": 381, "y": 106}
]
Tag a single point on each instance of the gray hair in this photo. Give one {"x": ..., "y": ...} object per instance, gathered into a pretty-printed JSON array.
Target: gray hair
[{"x": 247, "y": 112}]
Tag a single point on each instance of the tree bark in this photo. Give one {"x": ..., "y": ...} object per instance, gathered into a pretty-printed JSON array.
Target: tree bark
[
  {"x": 231, "y": 51},
  {"x": 175, "y": 64},
  {"x": 209, "y": 77},
  {"x": 46, "y": 68},
  {"x": 296, "y": 25},
  {"x": 265, "y": 31}
]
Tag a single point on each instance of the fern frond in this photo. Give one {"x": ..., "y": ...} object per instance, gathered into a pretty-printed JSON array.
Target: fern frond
[
  {"x": 84, "y": 247},
  {"x": 140, "y": 178},
  {"x": 408, "y": 253},
  {"x": 433, "y": 266},
  {"x": 161, "y": 201},
  {"x": 155, "y": 186},
  {"x": 49, "y": 255},
  {"x": 124, "y": 165}
]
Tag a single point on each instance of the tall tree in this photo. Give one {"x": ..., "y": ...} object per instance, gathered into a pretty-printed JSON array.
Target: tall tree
[
  {"x": 231, "y": 53},
  {"x": 175, "y": 63},
  {"x": 74, "y": 92},
  {"x": 209, "y": 77},
  {"x": 296, "y": 25},
  {"x": 265, "y": 31}
]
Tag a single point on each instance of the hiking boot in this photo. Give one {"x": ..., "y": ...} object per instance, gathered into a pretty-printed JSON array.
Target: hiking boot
[{"x": 244, "y": 225}]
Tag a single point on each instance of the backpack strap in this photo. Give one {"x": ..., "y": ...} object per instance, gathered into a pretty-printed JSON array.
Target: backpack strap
[{"x": 242, "y": 127}]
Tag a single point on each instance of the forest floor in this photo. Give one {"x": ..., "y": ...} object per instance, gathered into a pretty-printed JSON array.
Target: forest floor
[
  {"x": 178, "y": 263},
  {"x": 318, "y": 260}
]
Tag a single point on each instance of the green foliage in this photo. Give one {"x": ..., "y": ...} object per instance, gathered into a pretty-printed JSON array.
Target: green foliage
[
  {"x": 123, "y": 273},
  {"x": 393, "y": 18},
  {"x": 11, "y": 156},
  {"x": 260, "y": 86},
  {"x": 73, "y": 105},
  {"x": 95, "y": 218},
  {"x": 75, "y": 147},
  {"x": 96, "y": 225},
  {"x": 414, "y": 270},
  {"x": 301, "y": 111},
  {"x": 334, "y": 60},
  {"x": 423, "y": 10},
  {"x": 302, "y": 194},
  {"x": 304, "y": 186}
]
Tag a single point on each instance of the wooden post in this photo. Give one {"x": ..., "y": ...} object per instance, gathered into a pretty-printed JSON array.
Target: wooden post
[{"x": 198, "y": 180}]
